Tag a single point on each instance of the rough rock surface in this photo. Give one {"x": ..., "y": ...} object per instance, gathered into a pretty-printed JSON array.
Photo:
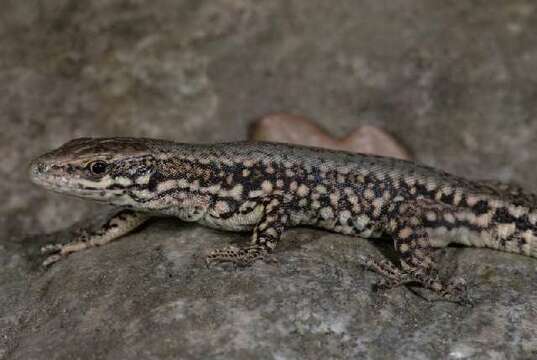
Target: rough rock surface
[{"x": 454, "y": 80}]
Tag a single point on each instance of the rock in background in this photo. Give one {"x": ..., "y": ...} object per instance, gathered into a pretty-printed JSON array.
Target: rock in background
[{"x": 455, "y": 81}]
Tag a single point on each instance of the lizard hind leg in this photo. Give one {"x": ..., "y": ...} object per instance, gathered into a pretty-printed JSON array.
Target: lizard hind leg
[
  {"x": 412, "y": 243},
  {"x": 266, "y": 234}
]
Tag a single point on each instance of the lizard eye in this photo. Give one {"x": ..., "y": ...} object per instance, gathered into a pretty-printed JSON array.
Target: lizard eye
[{"x": 98, "y": 167}]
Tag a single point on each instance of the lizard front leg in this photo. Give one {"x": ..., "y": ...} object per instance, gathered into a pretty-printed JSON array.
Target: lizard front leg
[
  {"x": 119, "y": 224},
  {"x": 266, "y": 234}
]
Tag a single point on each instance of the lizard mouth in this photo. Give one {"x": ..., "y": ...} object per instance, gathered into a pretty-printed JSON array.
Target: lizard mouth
[{"x": 41, "y": 174}]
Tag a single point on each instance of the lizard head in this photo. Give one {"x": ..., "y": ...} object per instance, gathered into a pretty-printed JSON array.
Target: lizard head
[{"x": 102, "y": 169}]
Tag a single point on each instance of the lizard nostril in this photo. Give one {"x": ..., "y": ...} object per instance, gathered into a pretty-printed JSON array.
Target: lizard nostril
[{"x": 37, "y": 167}]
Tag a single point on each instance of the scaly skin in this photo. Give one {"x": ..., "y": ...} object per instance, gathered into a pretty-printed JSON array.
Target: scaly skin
[{"x": 268, "y": 188}]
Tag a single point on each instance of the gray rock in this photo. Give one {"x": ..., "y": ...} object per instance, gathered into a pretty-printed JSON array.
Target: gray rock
[
  {"x": 455, "y": 81},
  {"x": 150, "y": 295}
]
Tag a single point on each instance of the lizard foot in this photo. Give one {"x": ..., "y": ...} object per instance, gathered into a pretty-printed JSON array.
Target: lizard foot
[
  {"x": 239, "y": 256},
  {"x": 51, "y": 260},
  {"x": 454, "y": 291},
  {"x": 55, "y": 254},
  {"x": 51, "y": 249},
  {"x": 393, "y": 276}
]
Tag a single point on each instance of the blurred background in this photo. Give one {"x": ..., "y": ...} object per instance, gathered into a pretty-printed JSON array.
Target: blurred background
[{"x": 454, "y": 81}]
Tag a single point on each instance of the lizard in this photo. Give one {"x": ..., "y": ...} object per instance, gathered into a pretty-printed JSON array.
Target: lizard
[{"x": 267, "y": 188}]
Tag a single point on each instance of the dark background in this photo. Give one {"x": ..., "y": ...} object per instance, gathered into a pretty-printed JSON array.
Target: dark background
[{"x": 455, "y": 81}]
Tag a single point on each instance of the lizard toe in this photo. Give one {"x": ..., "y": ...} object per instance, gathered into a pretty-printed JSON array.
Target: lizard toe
[
  {"x": 51, "y": 260},
  {"x": 51, "y": 249}
]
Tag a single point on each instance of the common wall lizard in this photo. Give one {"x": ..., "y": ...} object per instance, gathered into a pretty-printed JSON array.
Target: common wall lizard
[{"x": 268, "y": 187}]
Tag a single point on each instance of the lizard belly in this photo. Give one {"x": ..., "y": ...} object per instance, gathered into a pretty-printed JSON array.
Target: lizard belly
[
  {"x": 235, "y": 222},
  {"x": 342, "y": 222}
]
